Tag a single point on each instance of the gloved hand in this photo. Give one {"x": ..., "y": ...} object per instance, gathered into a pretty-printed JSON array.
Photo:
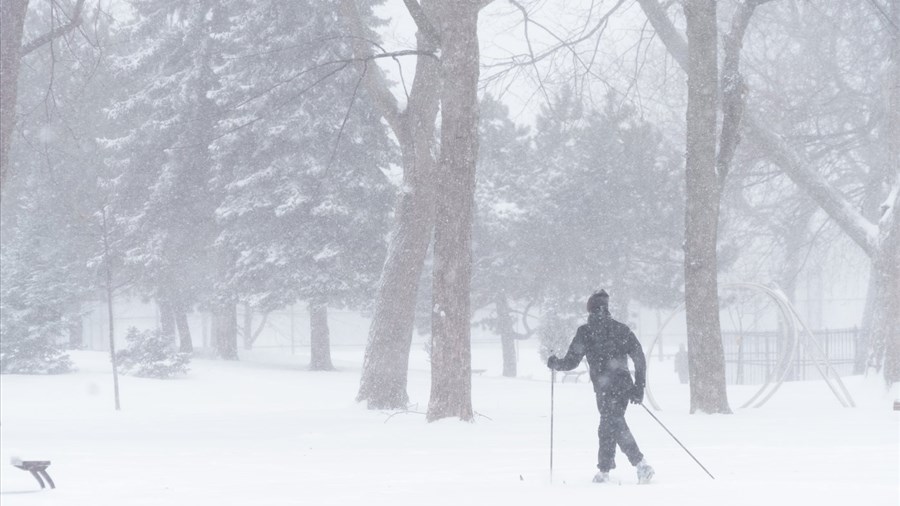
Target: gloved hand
[
  {"x": 637, "y": 395},
  {"x": 553, "y": 362}
]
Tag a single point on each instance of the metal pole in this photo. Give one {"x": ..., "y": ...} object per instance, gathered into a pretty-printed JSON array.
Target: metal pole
[
  {"x": 552, "y": 388},
  {"x": 677, "y": 441},
  {"x": 109, "y": 310}
]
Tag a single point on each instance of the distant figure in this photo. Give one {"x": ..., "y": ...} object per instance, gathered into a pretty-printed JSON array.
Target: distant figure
[
  {"x": 607, "y": 344},
  {"x": 681, "y": 364}
]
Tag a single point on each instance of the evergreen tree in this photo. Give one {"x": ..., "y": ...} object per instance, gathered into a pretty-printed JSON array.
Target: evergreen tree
[
  {"x": 610, "y": 211},
  {"x": 34, "y": 292},
  {"x": 48, "y": 230},
  {"x": 504, "y": 195},
  {"x": 162, "y": 159},
  {"x": 151, "y": 355},
  {"x": 301, "y": 163}
]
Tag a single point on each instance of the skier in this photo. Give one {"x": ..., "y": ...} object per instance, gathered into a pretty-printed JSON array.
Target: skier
[{"x": 606, "y": 343}]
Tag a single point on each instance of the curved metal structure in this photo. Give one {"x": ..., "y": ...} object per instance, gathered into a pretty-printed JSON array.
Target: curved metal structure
[{"x": 773, "y": 382}]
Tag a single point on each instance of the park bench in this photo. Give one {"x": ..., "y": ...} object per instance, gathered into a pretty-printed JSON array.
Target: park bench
[{"x": 37, "y": 468}]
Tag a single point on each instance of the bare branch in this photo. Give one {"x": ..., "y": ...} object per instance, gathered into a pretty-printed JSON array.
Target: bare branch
[
  {"x": 422, "y": 22},
  {"x": 794, "y": 165},
  {"x": 59, "y": 31},
  {"x": 376, "y": 83},
  {"x": 733, "y": 89}
]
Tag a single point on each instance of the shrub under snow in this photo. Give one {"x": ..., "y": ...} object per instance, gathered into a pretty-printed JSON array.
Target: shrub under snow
[{"x": 150, "y": 355}]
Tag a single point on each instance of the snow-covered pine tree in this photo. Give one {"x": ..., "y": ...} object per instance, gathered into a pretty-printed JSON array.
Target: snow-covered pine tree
[
  {"x": 610, "y": 214},
  {"x": 47, "y": 230},
  {"x": 35, "y": 290},
  {"x": 300, "y": 163},
  {"x": 503, "y": 198},
  {"x": 162, "y": 157}
]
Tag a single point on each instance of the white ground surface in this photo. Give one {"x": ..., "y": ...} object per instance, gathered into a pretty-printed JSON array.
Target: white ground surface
[{"x": 265, "y": 431}]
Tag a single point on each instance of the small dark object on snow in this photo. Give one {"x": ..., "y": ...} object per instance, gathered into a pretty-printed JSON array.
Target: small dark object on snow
[
  {"x": 896, "y": 405},
  {"x": 37, "y": 468}
]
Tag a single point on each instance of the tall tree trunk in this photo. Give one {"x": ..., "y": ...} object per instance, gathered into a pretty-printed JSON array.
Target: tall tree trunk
[
  {"x": 507, "y": 337},
  {"x": 798, "y": 168},
  {"x": 386, "y": 362},
  {"x": 247, "y": 327},
  {"x": 705, "y": 352},
  {"x": 76, "y": 328},
  {"x": 12, "y": 23},
  {"x": 451, "y": 360},
  {"x": 319, "y": 342},
  {"x": 224, "y": 329},
  {"x": 886, "y": 324},
  {"x": 166, "y": 318},
  {"x": 185, "y": 343},
  {"x": 886, "y": 317}
]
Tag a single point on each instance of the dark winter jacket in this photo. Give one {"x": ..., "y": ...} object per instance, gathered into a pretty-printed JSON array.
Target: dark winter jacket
[{"x": 607, "y": 343}]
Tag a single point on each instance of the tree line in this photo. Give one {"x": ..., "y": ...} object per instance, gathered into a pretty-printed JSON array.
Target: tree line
[{"x": 208, "y": 154}]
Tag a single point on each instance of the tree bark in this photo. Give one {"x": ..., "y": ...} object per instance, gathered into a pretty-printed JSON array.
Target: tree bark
[
  {"x": 319, "y": 342},
  {"x": 76, "y": 328},
  {"x": 12, "y": 23},
  {"x": 224, "y": 329},
  {"x": 451, "y": 360},
  {"x": 386, "y": 362},
  {"x": 508, "y": 337},
  {"x": 886, "y": 324},
  {"x": 166, "y": 318},
  {"x": 185, "y": 343},
  {"x": 705, "y": 352},
  {"x": 867, "y": 235},
  {"x": 886, "y": 318}
]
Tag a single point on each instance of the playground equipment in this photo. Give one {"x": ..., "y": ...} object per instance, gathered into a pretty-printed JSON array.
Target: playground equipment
[{"x": 798, "y": 334}]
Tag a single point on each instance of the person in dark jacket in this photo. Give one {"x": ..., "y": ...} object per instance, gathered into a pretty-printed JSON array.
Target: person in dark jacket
[{"x": 607, "y": 344}]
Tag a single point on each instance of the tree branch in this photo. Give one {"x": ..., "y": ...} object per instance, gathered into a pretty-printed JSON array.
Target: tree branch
[
  {"x": 376, "y": 83},
  {"x": 422, "y": 22},
  {"x": 59, "y": 31},
  {"x": 794, "y": 165},
  {"x": 733, "y": 90}
]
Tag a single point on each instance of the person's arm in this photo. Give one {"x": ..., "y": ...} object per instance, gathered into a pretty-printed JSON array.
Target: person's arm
[
  {"x": 573, "y": 355},
  {"x": 640, "y": 363}
]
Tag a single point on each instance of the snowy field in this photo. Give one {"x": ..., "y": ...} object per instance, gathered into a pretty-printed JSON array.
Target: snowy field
[{"x": 265, "y": 431}]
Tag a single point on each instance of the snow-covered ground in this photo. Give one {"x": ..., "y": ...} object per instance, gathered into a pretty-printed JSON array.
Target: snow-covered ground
[{"x": 265, "y": 431}]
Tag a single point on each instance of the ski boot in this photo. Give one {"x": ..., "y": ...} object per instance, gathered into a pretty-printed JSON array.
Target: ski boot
[{"x": 644, "y": 471}]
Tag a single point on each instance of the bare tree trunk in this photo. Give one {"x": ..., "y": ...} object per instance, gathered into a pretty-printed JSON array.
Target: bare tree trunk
[
  {"x": 886, "y": 317},
  {"x": 886, "y": 335},
  {"x": 386, "y": 362},
  {"x": 247, "y": 327},
  {"x": 12, "y": 22},
  {"x": 110, "y": 306},
  {"x": 166, "y": 318},
  {"x": 319, "y": 342},
  {"x": 705, "y": 352},
  {"x": 185, "y": 343},
  {"x": 508, "y": 337},
  {"x": 250, "y": 335},
  {"x": 817, "y": 187},
  {"x": 224, "y": 329},
  {"x": 451, "y": 360},
  {"x": 76, "y": 328}
]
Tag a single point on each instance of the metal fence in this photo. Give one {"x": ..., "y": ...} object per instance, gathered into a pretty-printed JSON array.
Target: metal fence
[{"x": 750, "y": 357}]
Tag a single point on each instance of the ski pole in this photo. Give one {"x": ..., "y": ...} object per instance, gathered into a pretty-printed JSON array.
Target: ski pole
[
  {"x": 552, "y": 387},
  {"x": 677, "y": 441}
]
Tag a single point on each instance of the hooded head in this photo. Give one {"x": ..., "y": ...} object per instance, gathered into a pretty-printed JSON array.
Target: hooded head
[{"x": 598, "y": 303}]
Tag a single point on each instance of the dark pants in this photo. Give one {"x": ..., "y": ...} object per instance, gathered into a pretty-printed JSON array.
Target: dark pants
[{"x": 613, "y": 430}]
